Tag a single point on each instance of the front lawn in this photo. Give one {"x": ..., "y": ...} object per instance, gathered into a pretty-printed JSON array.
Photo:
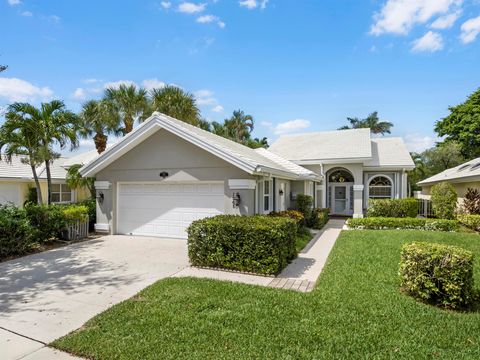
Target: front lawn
[{"x": 356, "y": 311}]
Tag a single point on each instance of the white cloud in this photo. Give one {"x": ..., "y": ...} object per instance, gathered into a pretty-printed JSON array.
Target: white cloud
[
  {"x": 116, "y": 84},
  {"x": 416, "y": 142},
  {"x": 14, "y": 2},
  {"x": 204, "y": 93},
  {"x": 249, "y": 4},
  {"x": 399, "y": 16},
  {"x": 205, "y": 97},
  {"x": 13, "y": 89},
  {"x": 429, "y": 42},
  {"x": 27, "y": 13},
  {"x": 154, "y": 83},
  {"x": 191, "y": 8},
  {"x": 91, "y": 81},
  {"x": 470, "y": 30},
  {"x": 291, "y": 126},
  {"x": 79, "y": 94},
  {"x": 221, "y": 24},
  {"x": 166, "y": 4},
  {"x": 205, "y": 19},
  {"x": 447, "y": 21},
  {"x": 217, "y": 109}
]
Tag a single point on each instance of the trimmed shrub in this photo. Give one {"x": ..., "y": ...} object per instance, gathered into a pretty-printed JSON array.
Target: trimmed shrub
[
  {"x": 304, "y": 204},
  {"x": 47, "y": 220},
  {"x": 470, "y": 221},
  {"x": 291, "y": 214},
  {"x": 397, "y": 208},
  {"x": 91, "y": 205},
  {"x": 319, "y": 218},
  {"x": 438, "y": 274},
  {"x": 382, "y": 223},
  {"x": 16, "y": 233},
  {"x": 444, "y": 200},
  {"x": 471, "y": 202},
  {"x": 259, "y": 244},
  {"x": 74, "y": 213}
]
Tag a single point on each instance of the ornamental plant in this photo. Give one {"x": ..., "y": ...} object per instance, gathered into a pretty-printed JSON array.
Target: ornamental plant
[{"x": 444, "y": 200}]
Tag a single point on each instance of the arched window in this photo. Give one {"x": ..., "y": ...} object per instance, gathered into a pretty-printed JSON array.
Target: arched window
[
  {"x": 340, "y": 176},
  {"x": 380, "y": 187}
]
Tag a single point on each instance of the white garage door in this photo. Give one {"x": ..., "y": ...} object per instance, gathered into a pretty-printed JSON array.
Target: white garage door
[
  {"x": 9, "y": 193},
  {"x": 159, "y": 209}
]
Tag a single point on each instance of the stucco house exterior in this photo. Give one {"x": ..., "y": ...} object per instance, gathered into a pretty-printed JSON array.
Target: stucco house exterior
[
  {"x": 462, "y": 177},
  {"x": 166, "y": 173},
  {"x": 16, "y": 179}
]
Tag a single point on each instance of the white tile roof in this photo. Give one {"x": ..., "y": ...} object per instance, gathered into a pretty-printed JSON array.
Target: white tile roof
[
  {"x": 328, "y": 145},
  {"x": 81, "y": 159},
  {"x": 464, "y": 172},
  {"x": 389, "y": 152},
  {"x": 18, "y": 170},
  {"x": 285, "y": 163},
  {"x": 252, "y": 160}
]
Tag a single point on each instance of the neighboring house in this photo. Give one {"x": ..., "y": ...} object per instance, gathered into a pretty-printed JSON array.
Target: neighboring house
[
  {"x": 16, "y": 179},
  {"x": 166, "y": 174},
  {"x": 462, "y": 177}
]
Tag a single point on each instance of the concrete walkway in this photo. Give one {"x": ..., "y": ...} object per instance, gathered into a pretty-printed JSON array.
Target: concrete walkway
[{"x": 300, "y": 275}]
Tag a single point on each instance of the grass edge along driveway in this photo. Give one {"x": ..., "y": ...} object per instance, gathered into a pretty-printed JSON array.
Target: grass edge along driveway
[{"x": 356, "y": 311}]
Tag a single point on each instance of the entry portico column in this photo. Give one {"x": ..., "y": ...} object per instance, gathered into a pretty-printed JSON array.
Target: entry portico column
[{"x": 358, "y": 201}]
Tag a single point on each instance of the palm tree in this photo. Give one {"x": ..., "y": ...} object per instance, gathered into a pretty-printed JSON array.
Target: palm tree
[
  {"x": 98, "y": 119},
  {"x": 130, "y": 103},
  {"x": 220, "y": 130},
  {"x": 75, "y": 180},
  {"x": 257, "y": 143},
  {"x": 53, "y": 125},
  {"x": 18, "y": 136},
  {"x": 372, "y": 122},
  {"x": 240, "y": 125},
  {"x": 177, "y": 103}
]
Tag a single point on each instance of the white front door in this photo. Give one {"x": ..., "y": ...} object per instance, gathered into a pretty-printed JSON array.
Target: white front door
[
  {"x": 166, "y": 210},
  {"x": 340, "y": 199}
]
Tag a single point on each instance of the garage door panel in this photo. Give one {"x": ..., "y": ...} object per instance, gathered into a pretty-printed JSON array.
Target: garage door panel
[{"x": 166, "y": 209}]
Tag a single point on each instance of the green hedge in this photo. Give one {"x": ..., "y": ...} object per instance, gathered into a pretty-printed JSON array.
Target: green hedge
[
  {"x": 304, "y": 204},
  {"x": 295, "y": 215},
  {"x": 47, "y": 221},
  {"x": 259, "y": 244},
  {"x": 16, "y": 233},
  {"x": 397, "y": 208},
  {"x": 444, "y": 200},
  {"x": 318, "y": 218},
  {"x": 470, "y": 221},
  {"x": 438, "y": 274},
  {"x": 383, "y": 223}
]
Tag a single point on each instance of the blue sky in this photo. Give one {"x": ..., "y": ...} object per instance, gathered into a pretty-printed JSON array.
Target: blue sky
[{"x": 295, "y": 65}]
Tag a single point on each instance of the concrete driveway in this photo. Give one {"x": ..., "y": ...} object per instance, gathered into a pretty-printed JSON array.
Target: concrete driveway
[{"x": 47, "y": 295}]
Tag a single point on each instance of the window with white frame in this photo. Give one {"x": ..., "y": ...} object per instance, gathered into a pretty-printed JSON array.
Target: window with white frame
[
  {"x": 61, "y": 193},
  {"x": 266, "y": 195},
  {"x": 380, "y": 187}
]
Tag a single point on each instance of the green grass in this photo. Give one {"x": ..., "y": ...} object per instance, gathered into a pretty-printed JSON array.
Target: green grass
[
  {"x": 303, "y": 238},
  {"x": 356, "y": 311}
]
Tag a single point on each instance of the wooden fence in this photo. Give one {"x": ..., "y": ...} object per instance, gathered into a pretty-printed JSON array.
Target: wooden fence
[{"x": 77, "y": 230}]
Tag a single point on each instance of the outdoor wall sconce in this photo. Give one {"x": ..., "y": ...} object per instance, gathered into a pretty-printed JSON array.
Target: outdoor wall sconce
[
  {"x": 280, "y": 192},
  {"x": 236, "y": 200},
  {"x": 163, "y": 174},
  {"x": 100, "y": 197}
]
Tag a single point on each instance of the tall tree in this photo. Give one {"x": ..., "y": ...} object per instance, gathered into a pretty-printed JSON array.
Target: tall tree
[
  {"x": 240, "y": 125},
  {"x": 54, "y": 125},
  {"x": 463, "y": 125},
  {"x": 19, "y": 136},
  {"x": 75, "y": 180},
  {"x": 98, "y": 118},
  {"x": 372, "y": 122},
  {"x": 130, "y": 103},
  {"x": 177, "y": 103}
]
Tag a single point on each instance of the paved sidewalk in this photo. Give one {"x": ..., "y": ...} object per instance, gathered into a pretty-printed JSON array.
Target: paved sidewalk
[{"x": 300, "y": 275}]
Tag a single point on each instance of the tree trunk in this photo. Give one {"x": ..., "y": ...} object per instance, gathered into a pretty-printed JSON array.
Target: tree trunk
[
  {"x": 100, "y": 141},
  {"x": 49, "y": 182},
  {"x": 37, "y": 185},
  {"x": 128, "y": 126}
]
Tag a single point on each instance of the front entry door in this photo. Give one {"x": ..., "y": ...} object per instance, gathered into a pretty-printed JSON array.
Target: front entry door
[{"x": 340, "y": 199}]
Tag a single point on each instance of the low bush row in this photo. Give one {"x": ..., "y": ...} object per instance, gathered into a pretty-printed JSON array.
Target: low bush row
[
  {"x": 22, "y": 230},
  {"x": 259, "y": 244},
  {"x": 314, "y": 218},
  {"x": 384, "y": 223},
  {"x": 396, "y": 208},
  {"x": 438, "y": 274},
  {"x": 470, "y": 221}
]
